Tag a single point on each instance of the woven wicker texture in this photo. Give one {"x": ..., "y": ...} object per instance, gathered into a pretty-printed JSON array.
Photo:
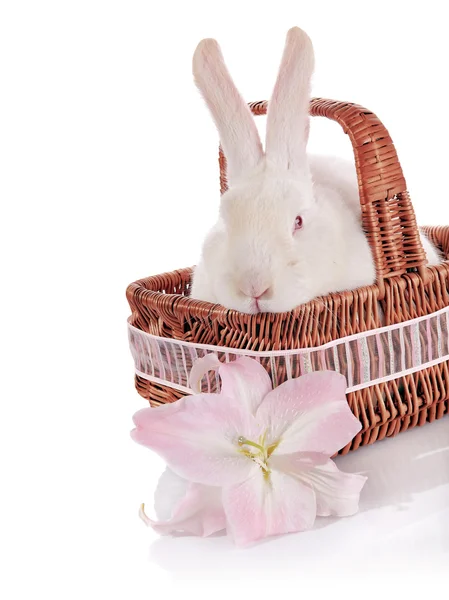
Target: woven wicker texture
[{"x": 405, "y": 288}]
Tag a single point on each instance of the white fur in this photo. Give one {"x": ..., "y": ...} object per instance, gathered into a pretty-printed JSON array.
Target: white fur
[
  {"x": 232, "y": 116},
  {"x": 288, "y": 111},
  {"x": 252, "y": 250}
]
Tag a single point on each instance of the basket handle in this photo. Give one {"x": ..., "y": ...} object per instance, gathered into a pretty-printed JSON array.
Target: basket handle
[{"x": 388, "y": 218}]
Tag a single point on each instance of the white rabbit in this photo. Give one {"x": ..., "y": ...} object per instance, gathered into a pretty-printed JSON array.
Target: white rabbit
[{"x": 290, "y": 225}]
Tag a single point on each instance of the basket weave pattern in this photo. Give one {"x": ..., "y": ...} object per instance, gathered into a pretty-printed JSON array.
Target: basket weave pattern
[{"x": 405, "y": 289}]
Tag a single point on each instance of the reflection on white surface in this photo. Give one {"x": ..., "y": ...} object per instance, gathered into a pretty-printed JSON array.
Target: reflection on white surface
[{"x": 404, "y": 513}]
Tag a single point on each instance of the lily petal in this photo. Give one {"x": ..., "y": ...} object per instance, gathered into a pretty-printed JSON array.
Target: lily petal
[
  {"x": 297, "y": 462},
  {"x": 200, "y": 367},
  {"x": 309, "y": 414},
  {"x": 337, "y": 493},
  {"x": 246, "y": 380},
  {"x": 170, "y": 491},
  {"x": 198, "y": 437},
  {"x": 260, "y": 507},
  {"x": 188, "y": 507}
]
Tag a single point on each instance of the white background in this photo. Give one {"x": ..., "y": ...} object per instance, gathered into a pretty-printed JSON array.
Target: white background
[{"x": 108, "y": 174}]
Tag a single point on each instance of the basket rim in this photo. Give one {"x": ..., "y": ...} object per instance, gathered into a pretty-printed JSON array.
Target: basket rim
[{"x": 204, "y": 309}]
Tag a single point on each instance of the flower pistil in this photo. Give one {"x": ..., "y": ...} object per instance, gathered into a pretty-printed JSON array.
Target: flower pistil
[{"x": 262, "y": 453}]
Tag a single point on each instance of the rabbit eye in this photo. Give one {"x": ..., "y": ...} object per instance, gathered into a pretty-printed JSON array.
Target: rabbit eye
[{"x": 298, "y": 223}]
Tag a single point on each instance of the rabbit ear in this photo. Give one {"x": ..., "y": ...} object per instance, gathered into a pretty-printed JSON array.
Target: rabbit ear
[
  {"x": 238, "y": 133},
  {"x": 288, "y": 109}
]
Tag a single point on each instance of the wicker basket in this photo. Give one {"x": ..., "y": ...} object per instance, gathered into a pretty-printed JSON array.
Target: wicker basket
[{"x": 405, "y": 289}]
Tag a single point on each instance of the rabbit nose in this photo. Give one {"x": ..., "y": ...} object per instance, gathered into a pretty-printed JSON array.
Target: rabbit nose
[
  {"x": 259, "y": 296},
  {"x": 254, "y": 291}
]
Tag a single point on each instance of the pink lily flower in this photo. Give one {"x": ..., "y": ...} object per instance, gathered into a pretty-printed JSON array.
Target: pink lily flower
[{"x": 253, "y": 459}]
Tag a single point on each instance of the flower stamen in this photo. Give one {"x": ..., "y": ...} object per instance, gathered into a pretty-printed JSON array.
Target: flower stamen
[
  {"x": 261, "y": 457},
  {"x": 244, "y": 442},
  {"x": 144, "y": 516},
  {"x": 271, "y": 448}
]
